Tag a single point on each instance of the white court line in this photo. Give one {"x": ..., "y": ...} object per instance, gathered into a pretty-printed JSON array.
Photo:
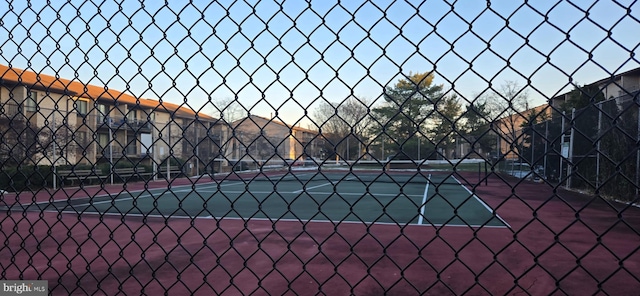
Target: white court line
[
  {"x": 197, "y": 189},
  {"x": 167, "y": 191},
  {"x": 317, "y": 192},
  {"x": 322, "y": 185},
  {"x": 245, "y": 191},
  {"x": 164, "y": 191},
  {"x": 109, "y": 201},
  {"x": 124, "y": 192},
  {"x": 312, "y": 187},
  {"x": 132, "y": 215},
  {"x": 424, "y": 200},
  {"x": 272, "y": 219},
  {"x": 482, "y": 202},
  {"x": 370, "y": 193}
]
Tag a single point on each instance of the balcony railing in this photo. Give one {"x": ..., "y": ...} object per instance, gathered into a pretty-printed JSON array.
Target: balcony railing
[
  {"x": 9, "y": 110},
  {"x": 118, "y": 152},
  {"x": 121, "y": 122},
  {"x": 625, "y": 97}
]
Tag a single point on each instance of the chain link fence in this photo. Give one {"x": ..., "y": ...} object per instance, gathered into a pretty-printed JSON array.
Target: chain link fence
[{"x": 325, "y": 147}]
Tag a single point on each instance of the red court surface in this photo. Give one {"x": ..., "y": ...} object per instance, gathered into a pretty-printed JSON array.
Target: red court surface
[{"x": 559, "y": 243}]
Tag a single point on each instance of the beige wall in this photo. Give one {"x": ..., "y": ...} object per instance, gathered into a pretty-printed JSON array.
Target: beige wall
[
  {"x": 269, "y": 137},
  {"x": 160, "y": 134},
  {"x": 621, "y": 86},
  {"x": 4, "y": 94},
  {"x": 48, "y": 121},
  {"x": 273, "y": 138},
  {"x": 511, "y": 130},
  {"x": 81, "y": 128}
]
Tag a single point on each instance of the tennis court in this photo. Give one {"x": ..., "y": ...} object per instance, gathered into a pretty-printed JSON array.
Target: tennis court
[{"x": 363, "y": 196}]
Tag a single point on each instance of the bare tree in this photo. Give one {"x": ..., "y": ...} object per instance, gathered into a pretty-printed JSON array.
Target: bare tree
[
  {"x": 344, "y": 124},
  {"x": 506, "y": 106},
  {"x": 227, "y": 109},
  {"x": 26, "y": 144}
]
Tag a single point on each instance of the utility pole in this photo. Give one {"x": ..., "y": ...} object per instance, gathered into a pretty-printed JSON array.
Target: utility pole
[{"x": 55, "y": 160}]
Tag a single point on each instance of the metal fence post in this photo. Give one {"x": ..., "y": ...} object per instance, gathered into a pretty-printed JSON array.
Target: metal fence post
[
  {"x": 599, "y": 137},
  {"x": 562, "y": 151},
  {"x": 571, "y": 137}
]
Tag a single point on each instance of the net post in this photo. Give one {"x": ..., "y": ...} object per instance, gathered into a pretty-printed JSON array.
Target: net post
[{"x": 486, "y": 179}]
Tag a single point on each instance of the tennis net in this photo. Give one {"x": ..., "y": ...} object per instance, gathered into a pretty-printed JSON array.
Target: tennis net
[{"x": 467, "y": 172}]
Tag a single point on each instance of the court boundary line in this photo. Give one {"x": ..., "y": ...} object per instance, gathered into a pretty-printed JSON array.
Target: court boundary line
[
  {"x": 127, "y": 192},
  {"x": 317, "y": 192},
  {"x": 183, "y": 188},
  {"x": 156, "y": 216},
  {"x": 424, "y": 201},
  {"x": 170, "y": 191},
  {"x": 486, "y": 206},
  {"x": 304, "y": 189},
  {"x": 242, "y": 192}
]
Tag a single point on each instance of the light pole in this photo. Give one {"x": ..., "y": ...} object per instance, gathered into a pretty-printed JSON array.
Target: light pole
[
  {"x": 154, "y": 164},
  {"x": 197, "y": 150},
  {"x": 53, "y": 138},
  {"x": 110, "y": 151}
]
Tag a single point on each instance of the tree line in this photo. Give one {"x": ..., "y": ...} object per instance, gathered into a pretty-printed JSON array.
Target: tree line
[{"x": 418, "y": 119}]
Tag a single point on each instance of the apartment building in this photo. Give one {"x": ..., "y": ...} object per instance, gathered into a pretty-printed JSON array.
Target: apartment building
[
  {"x": 259, "y": 138},
  {"x": 621, "y": 86},
  {"x": 511, "y": 137},
  {"x": 554, "y": 141},
  {"x": 46, "y": 120}
]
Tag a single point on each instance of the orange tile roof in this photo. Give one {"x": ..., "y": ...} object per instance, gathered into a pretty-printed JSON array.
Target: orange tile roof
[
  {"x": 17, "y": 76},
  {"x": 72, "y": 87}
]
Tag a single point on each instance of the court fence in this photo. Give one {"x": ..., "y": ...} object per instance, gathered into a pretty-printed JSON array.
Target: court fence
[
  {"x": 591, "y": 149},
  {"x": 333, "y": 148}
]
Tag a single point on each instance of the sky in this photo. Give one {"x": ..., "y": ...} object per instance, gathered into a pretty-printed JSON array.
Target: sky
[{"x": 283, "y": 58}]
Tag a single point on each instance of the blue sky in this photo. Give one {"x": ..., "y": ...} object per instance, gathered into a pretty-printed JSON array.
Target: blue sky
[{"x": 282, "y": 57}]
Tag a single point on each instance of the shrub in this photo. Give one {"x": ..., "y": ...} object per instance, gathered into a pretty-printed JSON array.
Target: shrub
[{"x": 25, "y": 177}]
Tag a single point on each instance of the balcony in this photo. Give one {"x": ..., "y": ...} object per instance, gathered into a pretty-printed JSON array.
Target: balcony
[
  {"x": 626, "y": 96},
  {"x": 9, "y": 110},
  {"x": 121, "y": 122},
  {"x": 130, "y": 151}
]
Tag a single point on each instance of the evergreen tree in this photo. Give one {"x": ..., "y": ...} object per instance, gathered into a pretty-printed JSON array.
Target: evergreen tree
[
  {"x": 400, "y": 121},
  {"x": 446, "y": 125},
  {"x": 533, "y": 136},
  {"x": 477, "y": 130},
  {"x": 582, "y": 96}
]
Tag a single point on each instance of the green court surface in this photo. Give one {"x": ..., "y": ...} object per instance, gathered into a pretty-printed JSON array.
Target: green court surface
[{"x": 432, "y": 202}]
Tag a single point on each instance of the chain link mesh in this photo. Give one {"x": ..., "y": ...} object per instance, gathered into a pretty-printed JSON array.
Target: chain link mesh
[{"x": 325, "y": 147}]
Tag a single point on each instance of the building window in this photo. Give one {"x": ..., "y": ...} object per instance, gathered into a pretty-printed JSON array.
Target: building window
[
  {"x": 81, "y": 142},
  {"x": 103, "y": 142},
  {"x": 81, "y": 139},
  {"x": 131, "y": 116},
  {"x": 103, "y": 111},
  {"x": 81, "y": 107},
  {"x": 132, "y": 145},
  {"x": 30, "y": 103}
]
